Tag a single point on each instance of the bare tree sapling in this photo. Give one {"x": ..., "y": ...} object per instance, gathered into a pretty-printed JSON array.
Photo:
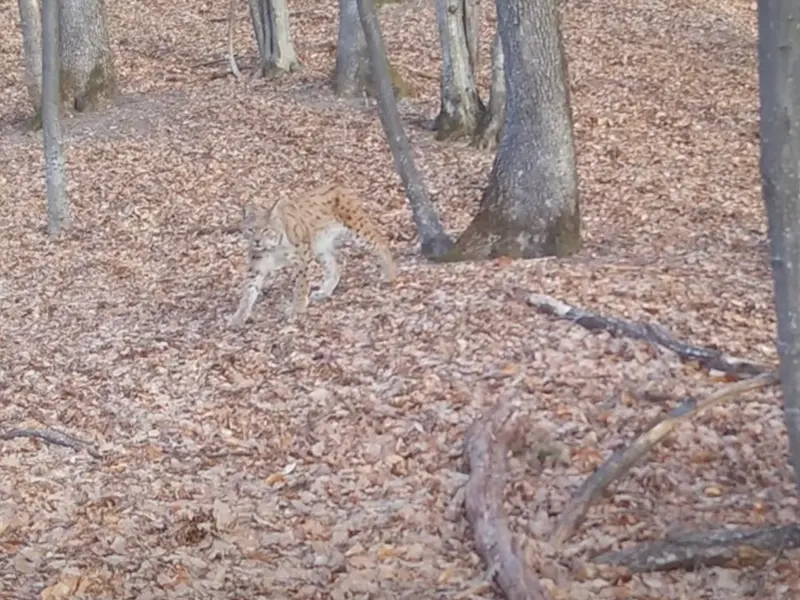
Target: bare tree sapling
[
  {"x": 58, "y": 217},
  {"x": 434, "y": 240}
]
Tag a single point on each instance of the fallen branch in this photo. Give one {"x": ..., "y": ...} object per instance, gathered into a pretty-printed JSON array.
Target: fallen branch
[
  {"x": 721, "y": 547},
  {"x": 711, "y": 359},
  {"x": 52, "y": 436},
  {"x": 231, "y": 56},
  {"x": 487, "y": 445},
  {"x": 622, "y": 460}
]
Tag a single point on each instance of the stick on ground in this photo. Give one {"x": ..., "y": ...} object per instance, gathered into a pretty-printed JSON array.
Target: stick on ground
[
  {"x": 52, "y": 436},
  {"x": 720, "y": 547},
  {"x": 711, "y": 359},
  {"x": 622, "y": 460},
  {"x": 231, "y": 56},
  {"x": 486, "y": 447}
]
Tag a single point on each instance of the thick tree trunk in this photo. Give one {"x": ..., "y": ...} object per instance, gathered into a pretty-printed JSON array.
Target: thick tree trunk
[
  {"x": 87, "y": 69},
  {"x": 530, "y": 206},
  {"x": 779, "y": 85},
  {"x": 461, "y": 106},
  {"x": 31, "y": 26},
  {"x": 273, "y": 37},
  {"x": 433, "y": 239},
  {"x": 491, "y": 125},
  {"x": 54, "y": 169}
]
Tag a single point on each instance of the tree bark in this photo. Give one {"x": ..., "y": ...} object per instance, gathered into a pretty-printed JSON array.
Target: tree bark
[
  {"x": 529, "y": 208},
  {"x": 273, "y": 37},
  {"x": 352, "y": 72},
  {"x": 461, "y": 107},
  {"x": 779, "y": 91},
  {"x": 491, "y": 126},
  {"x": 472, "y": 28},
  {"x": 87, "y": 68},
  {"x": 31, "y": 26},
  {"x": 54, "y": 169},
  {"x": 433, "y": 239}
]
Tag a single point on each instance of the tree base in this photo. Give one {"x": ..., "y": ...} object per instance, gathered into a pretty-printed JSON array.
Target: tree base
[
  {"x": 449, "y": 127},
  {"x": 490, "y": 236}
]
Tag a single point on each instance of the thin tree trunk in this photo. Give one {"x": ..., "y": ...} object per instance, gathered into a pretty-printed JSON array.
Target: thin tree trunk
[
  {"x": 491, "y": 125},
  {"x": 352, "y": 72},
  {"x": 779, "y": 86},
  {"x": 87, "y": 68},
  {"x": 54, "y": 169},
  {"x": 461, "y": 107},
  {"x": 31, "y": 26},
  {"x": 529, "y": 208},
  {"x": 433, "y": 239}
]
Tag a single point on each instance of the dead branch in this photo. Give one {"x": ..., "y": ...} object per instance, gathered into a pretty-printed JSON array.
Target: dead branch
[
  {"x": 231, "y": 56},
  {"x": 623, "y": 459},
  {"x": 487, "y": 445},
  {"x": 711, "y": 359},
  {"x": 721, "y": 547},
  {"x": 52, "y": 436}
]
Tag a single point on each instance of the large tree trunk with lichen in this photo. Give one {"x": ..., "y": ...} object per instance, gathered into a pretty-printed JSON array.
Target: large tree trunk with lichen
[
  {"x": 491, "y": 124},
  {"x": 352, "y": 76},
  {"x": 461, "y": 108},
  {"x": 779, "y": 90},
  {"x": 529, "y": 208},
  {"x": 273, "y": 37},
  {"x": 54, "y": 167},
  {"x": 433, "y": 239},
  {"x": 87, "y": 69}
]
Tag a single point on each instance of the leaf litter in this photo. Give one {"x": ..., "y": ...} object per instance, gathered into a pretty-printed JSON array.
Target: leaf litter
[{"x": 323, "y": 458}]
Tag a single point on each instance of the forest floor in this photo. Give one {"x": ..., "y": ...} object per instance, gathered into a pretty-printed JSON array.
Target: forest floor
[{"x": 320, "y": 458}]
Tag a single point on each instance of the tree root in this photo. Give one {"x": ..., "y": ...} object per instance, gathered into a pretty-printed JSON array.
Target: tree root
[
  {"x": 625, "y": 458},
  {"x": 721, "y": 547},
  {"x": 231, "y": 56},
  {"x": 486, "y": 447},
  {"x": 52, "y": 436},
  {"x": 711, "y": 359}
]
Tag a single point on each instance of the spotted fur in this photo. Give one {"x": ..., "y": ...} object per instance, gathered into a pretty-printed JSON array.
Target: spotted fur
[{"x": 300, "y": 229}]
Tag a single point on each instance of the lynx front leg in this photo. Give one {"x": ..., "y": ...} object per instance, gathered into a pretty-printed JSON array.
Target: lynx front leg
[
  {"x": 332, "y": 275},
  {"x": 301, "y": 285},
  {"x": 255, "y": 282}
]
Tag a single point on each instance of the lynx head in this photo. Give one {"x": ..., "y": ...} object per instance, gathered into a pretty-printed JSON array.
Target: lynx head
[{"x": 256, "y": 225}]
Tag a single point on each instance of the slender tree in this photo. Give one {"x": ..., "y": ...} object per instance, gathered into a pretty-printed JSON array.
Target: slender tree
[
  {"x": 433, "y": 239},
  {"x": 55, "y": 176},
  {"x": 779, "y": 92},
  {"x": 530, "y": 206}
]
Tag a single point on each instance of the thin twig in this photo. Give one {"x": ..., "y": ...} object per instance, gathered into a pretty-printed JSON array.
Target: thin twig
[
  {"x": 625, "y": 458},
  {"x": 52, "y": 436},
  {"x": 711, "y": 359}
]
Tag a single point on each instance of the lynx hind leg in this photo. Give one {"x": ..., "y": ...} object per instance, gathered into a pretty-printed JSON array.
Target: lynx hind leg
[
  {"x": 352, "y": 215},
  {"x": 331, "y": 274}
]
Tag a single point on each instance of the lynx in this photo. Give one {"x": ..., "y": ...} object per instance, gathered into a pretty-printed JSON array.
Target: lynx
[{"x": 299, "y": 228}]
